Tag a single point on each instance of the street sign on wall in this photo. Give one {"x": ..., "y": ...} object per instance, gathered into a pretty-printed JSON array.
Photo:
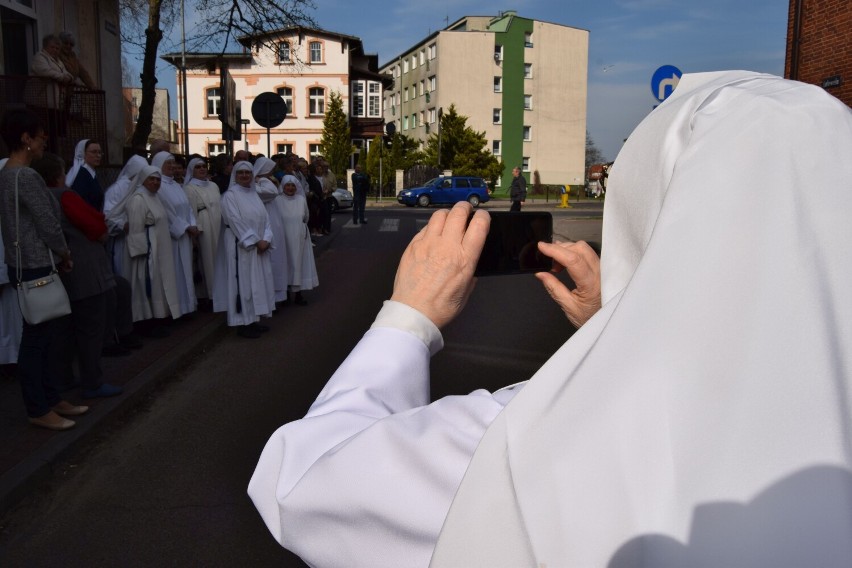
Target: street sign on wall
[{"x": 664, "y": 80}]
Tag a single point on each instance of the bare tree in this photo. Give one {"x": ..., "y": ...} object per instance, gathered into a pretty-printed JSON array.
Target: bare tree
[{"x": 221, "y": 21}]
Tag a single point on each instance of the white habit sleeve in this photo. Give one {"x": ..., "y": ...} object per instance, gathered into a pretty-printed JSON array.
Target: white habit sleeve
[{"x": 367, "y": 476}]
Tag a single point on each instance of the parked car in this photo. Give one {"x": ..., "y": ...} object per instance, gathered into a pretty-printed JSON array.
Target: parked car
[
  {"x": 341, "y": 199},
  {"x": 446, "y": 190}
]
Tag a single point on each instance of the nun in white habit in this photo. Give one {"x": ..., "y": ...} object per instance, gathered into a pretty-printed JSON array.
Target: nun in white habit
[
  {"x": 115, "y": 200},
  {"x": 243, "y": 285},
  {"x": 273, "y": 200},
  {"x": 152, "y": 269},
  {"x": 11, "y": 324},
  {"x": 182, "y": 227},
  {"x": 204, "y": 198},
  {"x": 302, "y": 269},
  {"x": 701, "y": 417}
]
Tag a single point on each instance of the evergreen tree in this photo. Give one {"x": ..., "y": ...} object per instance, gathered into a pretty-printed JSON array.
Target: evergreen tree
[
  {"x": 336, "y": 137},
  {"x": 404, "y": 152},
  {"x": 463, "y": 150},
  {"x": 593, "y": 155}
]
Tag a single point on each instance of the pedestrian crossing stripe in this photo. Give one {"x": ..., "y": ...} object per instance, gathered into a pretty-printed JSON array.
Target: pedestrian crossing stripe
[{"x": 389, "y": 226}]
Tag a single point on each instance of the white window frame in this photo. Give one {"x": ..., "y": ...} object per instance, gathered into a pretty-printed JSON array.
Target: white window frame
[
  {"x": 283, "y": 147},
  {"x": 288, "y": 99},
  {"x": 405, "y": 95},
  {"x": 528, "y": 102},
  {"x": 433, "y": 116},
  {"x": 525, "y": 164},
  {"x": 289, "y": 53},
  {"x": 527, "y": 133},
  {"x": 433, "y": 51},
  {"x": 213, "y": 96},
  {"x": 422, "y": 87},
  {"x": 314, "y": 149},
  {"x": 498, "y": 52},
  {"x": 215, "y": 148},
  {"x": 374, "y": 95},
  {"x": 413, "y": 61},
  {"x": 316, "y": 101},
  {"x": 405, "y": 122},
  {"x": 528, "y": 42},
  {"x": 405, "y": 66},
  {"x": 498, "y": 84},
  {"x": 528, "y": 71},
  {"x": 497, "y": 116},
  {"x": 433, "y": 83},
  {"x": 319, "y": 51},
  {"x": 496, "y": 147},
  {"x": 358, "y": 99}
]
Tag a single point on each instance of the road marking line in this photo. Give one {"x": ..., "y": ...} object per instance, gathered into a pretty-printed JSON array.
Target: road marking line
[{"x": 389, "y": 226}]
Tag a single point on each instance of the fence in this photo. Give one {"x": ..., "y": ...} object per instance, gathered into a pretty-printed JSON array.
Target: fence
[{"x": 69, "y": 113}]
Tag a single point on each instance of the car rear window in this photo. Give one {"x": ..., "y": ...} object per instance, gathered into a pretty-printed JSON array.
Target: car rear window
[
  {"x": 476, "y": 182},
  {"x": 464, "y": 182}
]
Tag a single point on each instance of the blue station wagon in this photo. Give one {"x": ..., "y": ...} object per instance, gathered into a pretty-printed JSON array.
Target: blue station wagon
[{"x": 446, "y": 190}]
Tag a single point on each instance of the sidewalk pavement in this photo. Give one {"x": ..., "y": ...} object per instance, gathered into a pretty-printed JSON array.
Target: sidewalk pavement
[{"x": 29, "y": 455}]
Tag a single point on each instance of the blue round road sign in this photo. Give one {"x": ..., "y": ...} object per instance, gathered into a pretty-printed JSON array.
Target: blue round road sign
[{"x": 664, "y": 80}]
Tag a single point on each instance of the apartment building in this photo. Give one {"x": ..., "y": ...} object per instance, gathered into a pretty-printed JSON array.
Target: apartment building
[
  {"x": 521, "y": 81},
  {"x": 303, "y": 66}
]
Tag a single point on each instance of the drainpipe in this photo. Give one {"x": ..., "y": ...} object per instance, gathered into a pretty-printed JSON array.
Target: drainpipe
[{"x": 794, "y": 48}]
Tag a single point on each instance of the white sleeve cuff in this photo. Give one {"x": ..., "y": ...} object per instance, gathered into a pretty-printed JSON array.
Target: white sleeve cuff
[{"x": 403, "y": 317}]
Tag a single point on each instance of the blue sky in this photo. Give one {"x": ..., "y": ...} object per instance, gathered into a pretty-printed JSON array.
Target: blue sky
[{"x": 628, "y": 40}]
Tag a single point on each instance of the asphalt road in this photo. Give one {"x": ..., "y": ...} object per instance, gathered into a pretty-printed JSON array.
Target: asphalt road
[{"x": 166, "y": 487}]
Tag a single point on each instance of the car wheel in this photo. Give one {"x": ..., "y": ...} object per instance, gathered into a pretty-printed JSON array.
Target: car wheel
[
  {"x": 473, "y": 200},
  {"x": 423, "y": 201},
  {"x": 334, "y": 205}
]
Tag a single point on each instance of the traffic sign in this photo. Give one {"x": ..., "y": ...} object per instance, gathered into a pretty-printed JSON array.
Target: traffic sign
[
  {"x": 664, "y": 80},
  {"x": 268, "y": 110}
]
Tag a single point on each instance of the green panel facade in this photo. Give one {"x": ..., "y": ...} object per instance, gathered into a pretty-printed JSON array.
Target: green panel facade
[{"x": 512, "y": 40}]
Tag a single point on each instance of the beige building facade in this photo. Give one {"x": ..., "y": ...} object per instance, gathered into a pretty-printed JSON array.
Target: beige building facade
[
  {"x": 522, "y": 82},
  {"x": 304, "y": 67}
]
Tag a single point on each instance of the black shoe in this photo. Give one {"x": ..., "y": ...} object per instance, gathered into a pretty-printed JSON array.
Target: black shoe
[
  {"x": 259, "y": 327},
  {"x": 115, "y": 350},
  {"x": 248, "y": 332}
]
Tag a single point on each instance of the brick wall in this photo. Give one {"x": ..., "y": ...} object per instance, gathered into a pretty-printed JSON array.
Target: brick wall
[{"x": 825, "y": 44}]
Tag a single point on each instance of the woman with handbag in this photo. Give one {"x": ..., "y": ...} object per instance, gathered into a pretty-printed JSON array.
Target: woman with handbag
[{"x": 33, "y": 239}]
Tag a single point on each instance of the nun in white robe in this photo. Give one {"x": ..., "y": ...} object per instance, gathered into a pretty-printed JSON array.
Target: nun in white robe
[
  {"x": 243, "y": 286},
  {"x": 204, "y": 199},
  {"x": 115, "y": 199},
  {"x": 11, "y": 324},
  {"x": 273, "y": 199},
  {"x": 152, "y": 271},
  {"x": 182, "y": 226},
  {"x": 700, "y": 418},
  {"x": 302, "y": 269}
]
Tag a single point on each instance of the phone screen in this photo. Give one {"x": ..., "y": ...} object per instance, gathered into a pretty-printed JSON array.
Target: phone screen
[{"x": 512, "y": 243}]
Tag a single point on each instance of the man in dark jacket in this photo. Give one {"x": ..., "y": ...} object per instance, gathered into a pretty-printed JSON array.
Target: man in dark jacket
[
  {"x": 360, "y": 187},
  {"x": 518, "y": 190}
]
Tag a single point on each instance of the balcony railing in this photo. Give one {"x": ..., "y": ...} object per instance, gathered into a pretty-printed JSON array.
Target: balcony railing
[{"x": 69, "y": 113}]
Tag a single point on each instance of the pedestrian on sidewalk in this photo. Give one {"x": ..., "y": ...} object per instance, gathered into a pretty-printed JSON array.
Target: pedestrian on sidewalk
[{"x": 518, "y": 190}]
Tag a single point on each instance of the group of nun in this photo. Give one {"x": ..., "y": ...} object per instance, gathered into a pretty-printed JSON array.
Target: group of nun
[{"x": 242, "y": 252}]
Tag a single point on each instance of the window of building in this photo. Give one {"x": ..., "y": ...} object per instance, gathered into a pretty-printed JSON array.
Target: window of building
[
  {"x": 405, "y": 94},
  {"x": 286, "y": 93},
  {"x": 527, "y": 133},
  {"x": 422, "y": 56},
  {"x": 405, "y": 122},
  {"x": 315, "y": 48},
  {"x": 422, "y": 87},
  {"x": 432, "y": 116},
  {"x": 374, "y": 94},
  {"x": 433, "y": 83},
  {"x": 422, "y": 118},
  {"x": 413, "y": 121},
  {"x": 433, "y": 51},
  {"x": 405, "y": 65},
  {"x": 498, "y": 84},
  {"x": 525, "y": 164},
  {"x": 498, "y": 53},
  {"x": 284, "y": 52},
  {"x": 314, "y": 150},
  {"x": 358, "y": 98},
  {"x": 215, "y": 149},
  {"x": 283, "y": 148},
  {"x": 495, "y": 147},
  {"x": 414, "y": 62},
  {"x": 527, "y": 102},
  {"x": 527, "y": 70},
  {"x": 498, "y": 116},
  {"x": 316, "y": 96},
  {"x": 413, "y": 91},
  {"x": 528, "y": 39},
  {"x": 214, "y": 102}
]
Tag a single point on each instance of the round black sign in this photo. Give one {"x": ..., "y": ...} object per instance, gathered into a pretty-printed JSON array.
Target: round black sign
[
  {"x": 390, "y": 128},
  {"x": 268, "y": 110}
]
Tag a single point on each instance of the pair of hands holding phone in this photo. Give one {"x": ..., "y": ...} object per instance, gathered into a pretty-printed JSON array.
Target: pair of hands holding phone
[{"x": 435, "y": 274}]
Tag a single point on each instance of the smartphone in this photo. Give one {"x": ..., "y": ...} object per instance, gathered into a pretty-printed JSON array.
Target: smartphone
[{"x": 512, "y": 243}]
